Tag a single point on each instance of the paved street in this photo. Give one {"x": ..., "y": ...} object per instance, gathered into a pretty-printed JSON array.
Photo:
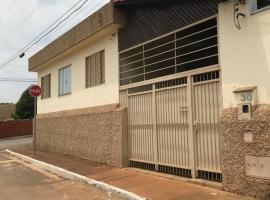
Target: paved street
[
  {"x": 7, "y": 143},
  {"x": 22, "y": 181}
]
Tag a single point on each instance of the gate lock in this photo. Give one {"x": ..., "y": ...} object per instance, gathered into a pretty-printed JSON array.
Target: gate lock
[{"x": 196, "y": 126}]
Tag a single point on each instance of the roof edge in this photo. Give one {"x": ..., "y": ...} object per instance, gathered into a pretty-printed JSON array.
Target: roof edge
[{"x": 105, "y": 16}]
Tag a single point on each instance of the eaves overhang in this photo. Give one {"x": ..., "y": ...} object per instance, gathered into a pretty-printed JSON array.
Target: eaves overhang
[{"x": 105, "y": 17}]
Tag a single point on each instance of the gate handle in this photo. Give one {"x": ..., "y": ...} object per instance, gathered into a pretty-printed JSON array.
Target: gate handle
[{"x": 196, "y": 126}]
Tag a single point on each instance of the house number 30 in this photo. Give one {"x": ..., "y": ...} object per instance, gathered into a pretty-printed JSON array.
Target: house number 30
[{"x": 246, "y": 97}]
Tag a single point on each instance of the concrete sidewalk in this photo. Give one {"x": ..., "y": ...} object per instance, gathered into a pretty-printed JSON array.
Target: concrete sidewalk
[
  {"x": 22, "y": 181},
  {"x": 147, "y": 185}
]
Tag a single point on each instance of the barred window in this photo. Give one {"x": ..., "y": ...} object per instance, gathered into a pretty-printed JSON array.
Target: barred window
[
  {"x": 65, "y": 81},
  {"x": 95, "y": 69},
  {"x": 46, "y": 86},
  {"x": 186, "y": 49}
]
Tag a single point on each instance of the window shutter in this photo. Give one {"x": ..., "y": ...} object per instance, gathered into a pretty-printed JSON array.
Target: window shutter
[
  {"x": 46, "y": 86},
  {"x": 95, "y": 69}
]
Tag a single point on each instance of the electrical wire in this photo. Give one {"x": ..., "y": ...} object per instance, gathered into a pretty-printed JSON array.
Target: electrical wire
[
  {"x": 17, "y": 80},
  {"x": 24, "y": 21},
  {"x": 44, "y": 33},
  {"x": 89, "y": 12},
  {"x": 57, "y": 25},
  {"x": 75, "y": 23},
  {"x": 93, "y": 8}
]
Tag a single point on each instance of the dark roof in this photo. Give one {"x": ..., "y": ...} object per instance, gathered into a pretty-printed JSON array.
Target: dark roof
[{"x": 134, "y": 2}]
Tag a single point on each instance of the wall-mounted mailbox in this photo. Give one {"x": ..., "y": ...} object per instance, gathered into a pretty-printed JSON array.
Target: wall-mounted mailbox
[
  {"x": 258, "y": 166},
  {"x": 245, "y": 98}
]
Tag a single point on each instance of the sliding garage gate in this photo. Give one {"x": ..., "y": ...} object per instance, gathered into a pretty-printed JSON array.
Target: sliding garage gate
[{"x": 173, "y": 119}]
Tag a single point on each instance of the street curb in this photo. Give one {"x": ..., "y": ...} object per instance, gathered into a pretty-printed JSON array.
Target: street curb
[{"x": 76, "y": 177}]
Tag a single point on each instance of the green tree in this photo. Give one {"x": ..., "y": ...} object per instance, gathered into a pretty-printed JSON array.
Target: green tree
[{"x": 24, "y": 107}]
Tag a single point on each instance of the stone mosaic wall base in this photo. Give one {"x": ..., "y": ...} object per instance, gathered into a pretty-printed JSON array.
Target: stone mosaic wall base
[
  {"x": 234, "y": 150},
  {"x": 97, "y": 134}
]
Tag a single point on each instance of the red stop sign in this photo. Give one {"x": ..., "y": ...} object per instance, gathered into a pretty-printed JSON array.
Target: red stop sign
[{"x": 35, "y": 90}]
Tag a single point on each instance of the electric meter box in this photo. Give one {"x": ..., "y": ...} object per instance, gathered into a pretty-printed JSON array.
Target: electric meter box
[{"x": 246, "y": 97}]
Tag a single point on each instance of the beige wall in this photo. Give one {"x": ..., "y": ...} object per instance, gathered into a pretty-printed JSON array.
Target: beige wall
[
  {"x": 245, "y": 53},
  {"x": 81, "y": 97}
]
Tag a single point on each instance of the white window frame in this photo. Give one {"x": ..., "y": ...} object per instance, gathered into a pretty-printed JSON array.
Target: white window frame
[{"x": 64, "y": 88}]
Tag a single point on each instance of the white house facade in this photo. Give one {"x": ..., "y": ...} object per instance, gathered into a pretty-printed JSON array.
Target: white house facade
[
  {"x": 244, "y": 54},
  {"x": 80, "y": 95},
  {"x": 178, "y": 87}
]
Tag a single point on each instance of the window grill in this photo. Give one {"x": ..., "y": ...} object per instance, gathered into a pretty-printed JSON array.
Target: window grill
[
  {"x": 142, "y": 165},
  {"x": 162, "y": 168},
  {"x": 187, "y": 49},
  {"x": 140, "y": 89},
  {"x": 171, "y": 83},
  {"x": 95, "y": 69},
  {"x": 175, "y": 171},
  {"x": 210, "y": 176},
  {"x": 206, "y": 76},
  {"x": 46, "y": 86}
]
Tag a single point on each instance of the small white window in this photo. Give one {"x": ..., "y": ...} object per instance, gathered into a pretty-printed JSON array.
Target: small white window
[{"x": 65, "y": 81}]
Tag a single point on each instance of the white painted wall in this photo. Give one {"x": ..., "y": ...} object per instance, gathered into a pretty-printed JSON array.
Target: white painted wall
[
  {"x": 245, "y": 53},
  {"x": 81, "y": 96}
]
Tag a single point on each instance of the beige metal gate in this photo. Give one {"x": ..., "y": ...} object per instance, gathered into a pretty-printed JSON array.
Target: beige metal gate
[
  {"x": 206, "y": 109},
  {"x": 173, "y": 125}
]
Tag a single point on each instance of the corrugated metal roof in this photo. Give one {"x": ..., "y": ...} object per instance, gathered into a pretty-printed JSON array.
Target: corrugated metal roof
[{"x": 150, "y": 21}]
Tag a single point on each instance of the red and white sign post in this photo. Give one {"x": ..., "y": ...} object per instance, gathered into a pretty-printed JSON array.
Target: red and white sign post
[{"x": 35, "y": 91}]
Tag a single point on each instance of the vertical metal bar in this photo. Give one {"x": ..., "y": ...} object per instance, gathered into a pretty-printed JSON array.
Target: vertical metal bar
[
  {"x": 191, "y": 140},
  {"x": 219, "y": 110},
  {"x": 212, "y": 127},
  {"x": 183, "y": 95},
  {"x": 154, "y": 117},
  {"x": 201, "y": 108},
  {"x": 178, "y": 121},
  {"x": 196, "y": 112},
  {"x": 144, "y": 78},
  {"x": 206, "y": 121},
  {"x": 175, "y": 54}
]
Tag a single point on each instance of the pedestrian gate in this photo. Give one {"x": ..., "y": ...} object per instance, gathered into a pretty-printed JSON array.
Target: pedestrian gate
[{"x": 173, "y": 125}]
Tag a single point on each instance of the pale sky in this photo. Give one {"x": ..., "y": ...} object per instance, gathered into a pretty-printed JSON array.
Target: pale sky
[{"x": 21, "y": 22}]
